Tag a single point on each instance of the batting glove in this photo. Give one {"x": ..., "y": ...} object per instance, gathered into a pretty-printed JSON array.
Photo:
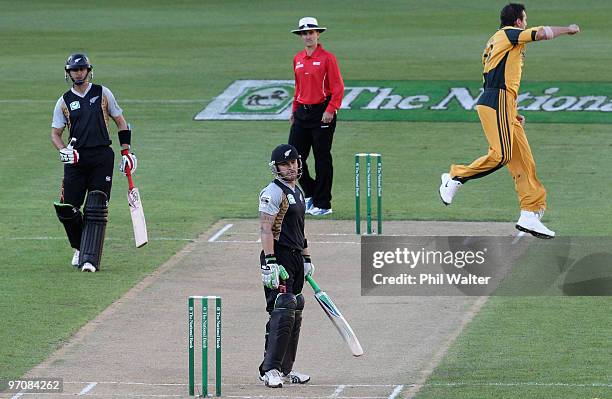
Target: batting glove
[
  {"x": 272, "y": 273},
  {"x": 69, "y": 156},
  {"x": 308, "y": 266},
  {"x": 128, "y": 158}
]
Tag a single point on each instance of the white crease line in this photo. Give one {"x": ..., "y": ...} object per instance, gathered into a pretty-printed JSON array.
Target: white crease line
[
  {"x": 228, "y": 385},
  {"x": 18, "y": 395},
  {"x": 335, "y": 242},
  {"x": 396, "y": 391},
  {"x": 302, "y": 397},
  {"x": 235, "y": 242},
  {"x": 352, "y": 385},
  {"x": 139, "y": 395},
  {"x": 338, "y": 391},
  {"x": 447, "y": 384},
  {"x": 338, "y": 234},
  {"x": 220, "y": 232},
  {"x": 150, "y": 384},
  {"x": 88, "y": 388},
  {"x": 309, "y": 234},
  {"x": 44, "y": 238},
  {"x": 113, "y": 395},
  {"x": 309, "y": 242},
  {"x": 171, "y": 239},
  {"x": 334, "y": 234}
]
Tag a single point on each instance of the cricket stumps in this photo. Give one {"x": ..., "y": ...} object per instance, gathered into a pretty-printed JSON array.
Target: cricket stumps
[
  {"x": 368, "y": 160},
  {"x": 205, "y": 343}
]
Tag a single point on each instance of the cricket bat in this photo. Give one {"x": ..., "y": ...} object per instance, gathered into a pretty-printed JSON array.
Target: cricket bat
[
  {"x": 138, "y": 219},
  {"x": 332, "y": 311}
]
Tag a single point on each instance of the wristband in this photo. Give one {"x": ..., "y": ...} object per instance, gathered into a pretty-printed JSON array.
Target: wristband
[{"x": 125, "y": 137}]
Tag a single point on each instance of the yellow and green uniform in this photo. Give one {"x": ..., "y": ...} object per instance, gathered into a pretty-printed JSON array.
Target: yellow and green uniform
[{"x": 497, "y": 109}]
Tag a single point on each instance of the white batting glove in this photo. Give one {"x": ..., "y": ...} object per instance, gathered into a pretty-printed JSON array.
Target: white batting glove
[
  {"x": 272, "y": 273},
  {"x": 69, "y": 156},
  {"x": 308, "y": 266},
  {"x": 128, "y": 158},
  {"x": 573, "y": 29}
]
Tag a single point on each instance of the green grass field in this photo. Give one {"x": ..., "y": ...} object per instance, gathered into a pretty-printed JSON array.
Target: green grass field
[{"x": 193, "y": 173}]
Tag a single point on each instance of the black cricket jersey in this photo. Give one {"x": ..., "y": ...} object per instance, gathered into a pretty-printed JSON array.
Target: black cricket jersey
[
  {"x": 86, "y": 119},
  {"x": 290, "y": 209}
]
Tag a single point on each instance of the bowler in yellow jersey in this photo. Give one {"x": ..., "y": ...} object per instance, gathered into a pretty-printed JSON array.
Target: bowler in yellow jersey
[{"x": 503, "y": 126}]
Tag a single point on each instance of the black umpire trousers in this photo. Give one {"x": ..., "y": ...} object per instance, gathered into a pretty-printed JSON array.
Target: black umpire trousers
[{"x": 309, "y": 132}]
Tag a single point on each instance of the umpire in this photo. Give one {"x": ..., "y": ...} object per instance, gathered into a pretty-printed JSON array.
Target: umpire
[
  {"x": 285, "y": 262},
  {"x": 88, "y": 159},
  {"x": 318, "y": 96}
]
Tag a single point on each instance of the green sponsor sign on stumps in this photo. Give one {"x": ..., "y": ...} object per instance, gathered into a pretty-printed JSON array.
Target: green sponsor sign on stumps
[
  {"x": 205, "y": 343},
  {"x": 422, "y": 101},
  {"x": 204, "y": 346},
  {"x": 190, "y": 345},
  {"x": 218, "y": 346}
]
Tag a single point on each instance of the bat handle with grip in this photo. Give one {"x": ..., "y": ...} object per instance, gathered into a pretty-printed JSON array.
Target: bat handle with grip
[
  {"x": 70, "y": 145},
  {"x": 282, "y": 286},
  {"x": 128, "y": 173},
  {"x": 313, "y": 284}
]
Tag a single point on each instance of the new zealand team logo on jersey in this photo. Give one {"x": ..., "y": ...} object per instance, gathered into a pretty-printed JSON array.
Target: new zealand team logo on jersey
[{"x": 93, "y": 100}]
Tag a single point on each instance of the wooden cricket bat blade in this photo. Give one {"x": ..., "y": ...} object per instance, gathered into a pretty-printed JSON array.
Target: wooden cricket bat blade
[
  {"x": 138, "y": 219},
  {"x": 335, "y": 316},
  {"x": 343, "y": 327}
]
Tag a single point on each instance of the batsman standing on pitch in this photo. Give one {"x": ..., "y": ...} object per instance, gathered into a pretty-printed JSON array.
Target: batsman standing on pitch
[
  {"x": 88, "y": 159},
  {"x": 285, "y": 262},
  {"x": 497, "y": 109},
  {"x": 319, "y": 90}
]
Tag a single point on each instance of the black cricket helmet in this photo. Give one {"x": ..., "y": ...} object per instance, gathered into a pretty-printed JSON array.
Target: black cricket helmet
[
  {"x": 282, "y": 154},
  {"x": 77, "y": 61}
]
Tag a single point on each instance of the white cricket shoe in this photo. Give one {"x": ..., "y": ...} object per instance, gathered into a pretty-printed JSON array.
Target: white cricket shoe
[
  {"x": 75, "y": 257},
  {"x": 316, "y": 211},
  {"x": 88, "y": 267},
  {"x": 540, "y": 216},
  {"x": 448, "y": 188},
  {"x": 529, "y": 222},
  {"x": 273, "y": 379},
  {"x": 296, "y": 378}
]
